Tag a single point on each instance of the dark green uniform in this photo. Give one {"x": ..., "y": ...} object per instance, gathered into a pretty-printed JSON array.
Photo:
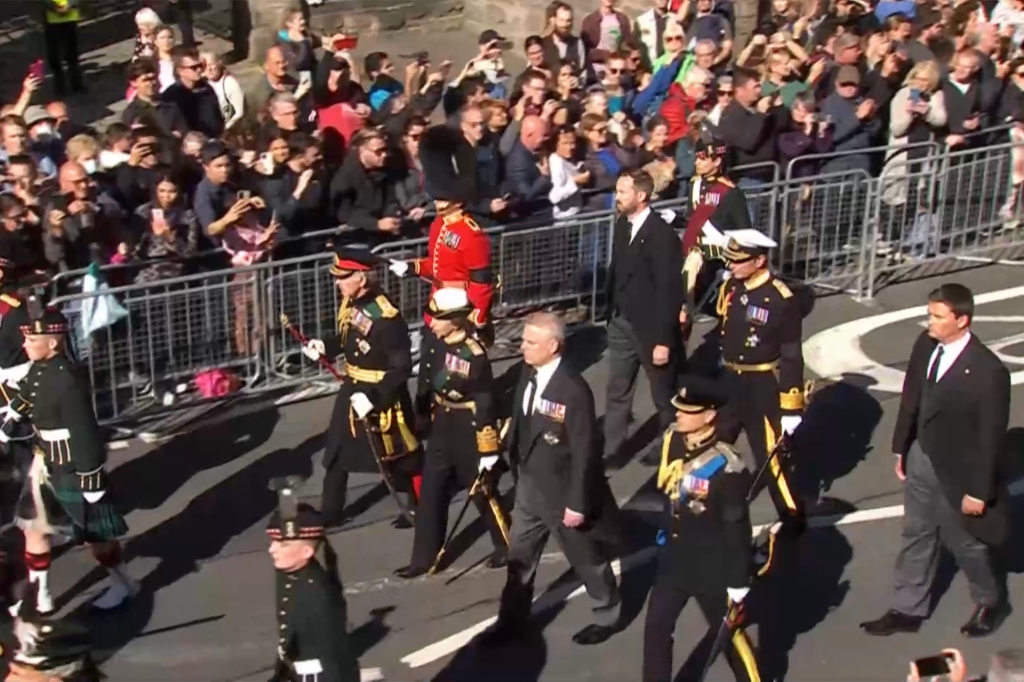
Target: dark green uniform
[
  {"x": 70, "y": 446},
  {"x": 373, "y": 339},
  {"x": 706, "y": 549},
  {"x": 313, "y": 642},
  {"x": 455, "y": 392}
]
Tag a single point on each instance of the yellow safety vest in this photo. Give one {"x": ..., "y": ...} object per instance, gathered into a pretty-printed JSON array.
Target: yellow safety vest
[{"x": 69, "y": 16}]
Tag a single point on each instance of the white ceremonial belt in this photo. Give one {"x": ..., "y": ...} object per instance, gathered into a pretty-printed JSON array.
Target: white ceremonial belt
[
  {"x": 54, "y": 435},
  {"x": 308, "y": 669}
]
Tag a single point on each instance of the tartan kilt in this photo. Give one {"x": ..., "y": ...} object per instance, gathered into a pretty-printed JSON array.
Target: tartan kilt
[{"x": 65, "y": 511}]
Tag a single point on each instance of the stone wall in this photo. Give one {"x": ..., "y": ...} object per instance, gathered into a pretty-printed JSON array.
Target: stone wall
[{"x": 516, "y": 19}]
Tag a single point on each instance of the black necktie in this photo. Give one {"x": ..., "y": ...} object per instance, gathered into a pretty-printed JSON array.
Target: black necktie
[
  {"x": 531, "y": 390},
  {"x": 933, "y": 373}
]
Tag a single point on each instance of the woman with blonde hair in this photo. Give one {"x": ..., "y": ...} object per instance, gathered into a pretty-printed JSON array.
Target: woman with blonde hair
[{"x": 916, "y": 115}]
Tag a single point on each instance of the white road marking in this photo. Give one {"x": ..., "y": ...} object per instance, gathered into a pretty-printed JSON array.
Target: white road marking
[
  {"x": 450, "y": 645},
  {"x": 837, "y": 351}
]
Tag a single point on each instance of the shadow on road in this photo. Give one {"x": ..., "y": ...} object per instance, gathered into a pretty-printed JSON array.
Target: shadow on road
[{"x": 147, "y": 482}]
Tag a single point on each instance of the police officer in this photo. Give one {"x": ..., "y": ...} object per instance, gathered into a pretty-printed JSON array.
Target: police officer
[
  {"x": 313, "y": 643},
  {"x": 458, "y": 250},
  {"x": 455, "y": 390},
  {"x": 706, "y": 550},
  {"x": 714, "y": 199},
  {"x": 762, "y": 362},
  {"x": 65, "y": 493},
  {"x": 374, "y": 341}
]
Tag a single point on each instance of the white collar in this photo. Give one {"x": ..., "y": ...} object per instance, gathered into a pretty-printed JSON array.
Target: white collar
[
  {"x": 544, "y": 372},
  {"x": 956, "y": 347},
  {"x": 637, "y": 220}
]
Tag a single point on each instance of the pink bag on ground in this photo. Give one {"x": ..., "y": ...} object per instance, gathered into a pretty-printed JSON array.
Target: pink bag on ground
[{"x": 216, "y": 383}]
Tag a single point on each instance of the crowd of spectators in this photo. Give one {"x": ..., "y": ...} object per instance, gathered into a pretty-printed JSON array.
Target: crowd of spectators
[{"x": 324, "y": 139}]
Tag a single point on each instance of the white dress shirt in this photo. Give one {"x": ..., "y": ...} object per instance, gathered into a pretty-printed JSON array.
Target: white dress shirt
[
  {"x": 950, "y": 352},
  {"x": 544, "y": 374},
  {"x": 636, "y": 221}
]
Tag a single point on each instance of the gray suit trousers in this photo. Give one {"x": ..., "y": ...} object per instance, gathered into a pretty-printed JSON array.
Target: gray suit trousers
[
  {"x": 532, "y": 525},
  {"x": 928, "y": 519}
]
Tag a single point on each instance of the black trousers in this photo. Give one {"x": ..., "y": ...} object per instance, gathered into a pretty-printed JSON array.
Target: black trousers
[
  {"x": 625, "y": 358},
  {"x": 754, "y": 408},
  {"x": 452, "y": 463},
  {"x": 664, "y": 605},
  {"x": 62, "y": 46}
]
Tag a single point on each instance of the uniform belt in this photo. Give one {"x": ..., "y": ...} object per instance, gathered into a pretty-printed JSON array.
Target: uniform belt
[
  {"x": 463, "y": 405},
  {"x": 54, "y": 435},
  {"x": 740, "y": 368},
  {"x": 454, "y": 284},
  {"x": 367, "y": 376}
]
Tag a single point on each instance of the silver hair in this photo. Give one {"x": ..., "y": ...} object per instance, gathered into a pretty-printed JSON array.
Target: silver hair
[
  {"x": 550, "y": 323},
  {"x": 1007, "y": 666},
  {"x": 282, "y": 98}
]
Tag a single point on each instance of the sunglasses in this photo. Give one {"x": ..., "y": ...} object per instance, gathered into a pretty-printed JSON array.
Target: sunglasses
[
  {"x": 725, "y": 93},
  {"x": 848, "y": 85},
  {"x": 673, "y": 39},
  {"x": 614, "y": 71},
  {"x": 193, "y": 67}
]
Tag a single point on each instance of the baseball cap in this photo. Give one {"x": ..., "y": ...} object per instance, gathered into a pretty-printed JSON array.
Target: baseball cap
[
  {"x": 35, "y": 114},
  {"x": 489, "y": 36},
  {"x": 848, "y": 75}
]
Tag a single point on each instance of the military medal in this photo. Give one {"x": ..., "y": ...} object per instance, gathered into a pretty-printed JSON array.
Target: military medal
[
  {"x": 752, "y": 341},
  {"x": 364, "y": 347}
]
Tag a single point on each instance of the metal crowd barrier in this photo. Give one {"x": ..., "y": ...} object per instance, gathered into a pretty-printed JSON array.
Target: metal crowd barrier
[{"x": 847, "y": 231}]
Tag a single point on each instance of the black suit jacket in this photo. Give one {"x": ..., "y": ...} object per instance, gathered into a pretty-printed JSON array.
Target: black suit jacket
[
  {"x": 559, "y": 455},
  {"x": 962, "y": 431},
  {"x": 645, "y": 281}
]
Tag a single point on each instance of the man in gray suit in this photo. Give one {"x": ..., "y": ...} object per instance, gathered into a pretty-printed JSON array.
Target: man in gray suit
[
  {"x": 949, "y": 455},
  {"x": 562, "y": 488}
]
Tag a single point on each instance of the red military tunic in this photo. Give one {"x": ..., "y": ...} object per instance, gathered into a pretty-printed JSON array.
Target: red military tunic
[
  {"x": 718, "y": 201},
  {"x": 459, "y": 255}
]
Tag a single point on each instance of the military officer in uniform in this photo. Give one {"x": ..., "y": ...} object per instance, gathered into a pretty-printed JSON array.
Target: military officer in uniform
[
  {"x": 313, "y": 643},
  {"x": 458, "y": 250},
  {"x": 455, "y": 392},
  {"x": 714, "y": 199},
  {"x": 762, "y": 360},
  {"x": 65, "y": 493},
  {"x": 706, "y": 550},
  {"x": 373, "y": 339}
]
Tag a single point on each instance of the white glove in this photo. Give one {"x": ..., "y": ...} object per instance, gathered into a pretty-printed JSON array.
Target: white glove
[
  {"x": 790, "y": 423},
  {"x": 487, "y": 463},
  {"x": 668, "y": 215},
  {"x": 361, "y": 404},
  {"x": 94, "y": 497},
  {"x": 9, "y": 415},
  {"x": 314, "y": 349},
  {"x": 737, "y": 594},
  {"x": 13, "y": 375},
  {"x": 399, "y": 267}
]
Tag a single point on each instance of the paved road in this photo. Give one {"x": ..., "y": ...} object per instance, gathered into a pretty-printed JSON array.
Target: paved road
[{"x": 200, "y": 502}]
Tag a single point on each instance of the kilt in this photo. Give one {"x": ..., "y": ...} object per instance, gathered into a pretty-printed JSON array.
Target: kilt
[{"x": 51, "y": 502}]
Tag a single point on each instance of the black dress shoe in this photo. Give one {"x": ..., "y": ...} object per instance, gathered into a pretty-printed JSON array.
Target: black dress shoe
[
  {"x": 594, "y": 634},
  {"x": 401, "y": 522},
  {"x": 498, "y": 560},
  {"x": 985, "y": 620},
  {"x": 891, "y": 623},
  {"x": 410, "y": 572}
]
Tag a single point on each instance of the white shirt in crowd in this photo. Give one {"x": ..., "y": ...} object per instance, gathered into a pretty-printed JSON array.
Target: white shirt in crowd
[
  {"x": 167, "y": 78},
  {"x": 566, "y": 199},
  {"x": 231, "y": 99}
]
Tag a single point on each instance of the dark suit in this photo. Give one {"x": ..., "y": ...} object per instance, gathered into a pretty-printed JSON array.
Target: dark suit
[
  {"x": 645, "y": 295},
  {"x": 949, "y": 435},
  {"x": 523, "y": 179},
  {"x": 552, "y": 451}
]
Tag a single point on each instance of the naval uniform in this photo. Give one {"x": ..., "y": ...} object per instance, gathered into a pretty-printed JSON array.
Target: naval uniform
[
  {"x": 70, "y": 455},
  {"x": 706, "y": 550},
  {"x": 313, "y": 641},
  {"x": 455, "y": 391},
  {"x": 374, "y": 341},
  {"x": 763, "y": 367}
]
